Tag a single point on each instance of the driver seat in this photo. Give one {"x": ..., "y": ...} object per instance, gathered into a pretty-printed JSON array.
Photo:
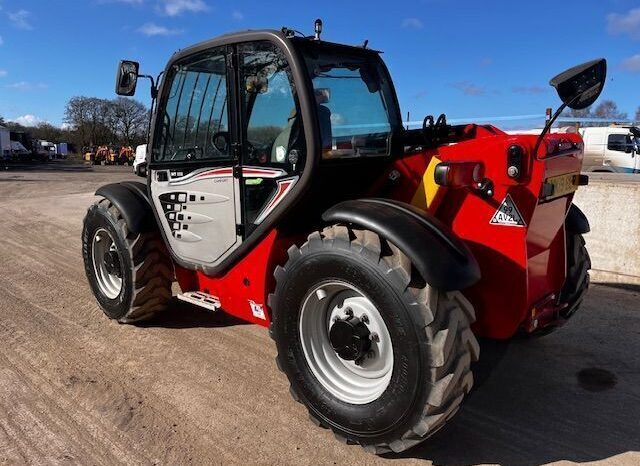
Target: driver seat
[{"x": 288, "y": 137}]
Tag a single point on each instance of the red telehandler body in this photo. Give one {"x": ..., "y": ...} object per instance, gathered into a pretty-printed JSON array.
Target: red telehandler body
[{"x": 282, "y": 188}]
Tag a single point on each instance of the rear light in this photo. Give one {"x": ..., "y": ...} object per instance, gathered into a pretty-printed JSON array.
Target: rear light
[{"x": 459, "y": 174}]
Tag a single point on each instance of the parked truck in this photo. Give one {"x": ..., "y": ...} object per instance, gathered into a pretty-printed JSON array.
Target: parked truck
[
  {"x": 62, "y": 150},
  {"x": 5, "y": 144}
]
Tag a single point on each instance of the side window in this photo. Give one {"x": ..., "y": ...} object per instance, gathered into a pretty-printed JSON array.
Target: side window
[
  {"x": 273, "y": 125},
  {"x": 195, "y": 124},
  {"x": 619, "y": 142}
]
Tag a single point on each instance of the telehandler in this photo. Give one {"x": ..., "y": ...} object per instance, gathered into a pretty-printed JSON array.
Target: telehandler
[{"x": 282, "y": 188}]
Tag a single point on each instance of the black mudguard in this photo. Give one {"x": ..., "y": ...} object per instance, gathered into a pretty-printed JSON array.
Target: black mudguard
[
  {"x": 576, "y": 221},
  {"x": 442, "y": 259},
  {"x": 132, "y": 200}
]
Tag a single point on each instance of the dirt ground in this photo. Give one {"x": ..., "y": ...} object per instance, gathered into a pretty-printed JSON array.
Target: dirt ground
[{"x": 200, "y": 388}]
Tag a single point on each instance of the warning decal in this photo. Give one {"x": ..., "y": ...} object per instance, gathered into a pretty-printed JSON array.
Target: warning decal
[{"x": 508, "y": 214}]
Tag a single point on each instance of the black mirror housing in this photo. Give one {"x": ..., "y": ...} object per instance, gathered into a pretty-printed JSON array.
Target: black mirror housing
[
  {"x": 127, "y": 78},
  {"x": 580, "y": 86}
]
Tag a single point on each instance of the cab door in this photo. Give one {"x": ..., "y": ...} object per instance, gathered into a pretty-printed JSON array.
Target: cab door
[
  {"x": 192, "y": 183},
  {"x": 273, "y": 149}
]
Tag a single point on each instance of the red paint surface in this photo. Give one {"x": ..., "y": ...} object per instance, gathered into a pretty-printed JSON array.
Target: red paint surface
[{"x": 522, "y": 267}]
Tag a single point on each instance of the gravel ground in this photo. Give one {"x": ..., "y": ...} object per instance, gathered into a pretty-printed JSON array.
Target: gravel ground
[{"x": 200, "y": 388}]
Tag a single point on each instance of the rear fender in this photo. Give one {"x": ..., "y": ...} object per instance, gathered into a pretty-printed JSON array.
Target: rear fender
[
  {"x": 131, "y": 199},
  {"x": 442, "y": 259},
  {"x": 576, "y": 221}
]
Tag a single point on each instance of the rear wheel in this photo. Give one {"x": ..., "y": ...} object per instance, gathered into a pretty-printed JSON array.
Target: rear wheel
[
  {"x": 130, "y": 274},
  {"x": 374, "y": 353},
  {"x": 577, "y": 281}
]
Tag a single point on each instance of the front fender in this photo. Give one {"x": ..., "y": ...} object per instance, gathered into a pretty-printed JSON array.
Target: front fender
[
  {"x": 131, "y": 199},
  {"x": 442, "y": 259}
]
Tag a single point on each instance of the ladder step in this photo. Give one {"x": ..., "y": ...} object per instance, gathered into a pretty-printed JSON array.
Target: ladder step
[{"x": 201, "y": 299}]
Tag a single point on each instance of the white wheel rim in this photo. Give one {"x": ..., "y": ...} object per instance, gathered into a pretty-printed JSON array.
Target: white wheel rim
[
  {"x": 346, "y": 380},
  {"x": 110, "y": 284}
]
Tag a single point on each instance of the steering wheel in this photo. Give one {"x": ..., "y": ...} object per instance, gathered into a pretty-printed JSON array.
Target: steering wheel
[{"x": 220, "y": 141}]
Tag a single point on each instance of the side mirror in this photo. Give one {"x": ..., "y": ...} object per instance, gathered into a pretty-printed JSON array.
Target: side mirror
[
  {"x": 580, "y": 86},
  {"x": 127, "y": 78}
]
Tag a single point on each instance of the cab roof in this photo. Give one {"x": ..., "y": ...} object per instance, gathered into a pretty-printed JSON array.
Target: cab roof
[{"x": 282, "y": 36}]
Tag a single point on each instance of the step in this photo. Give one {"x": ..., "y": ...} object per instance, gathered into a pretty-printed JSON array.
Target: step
[{"x": 201, "y": 299}]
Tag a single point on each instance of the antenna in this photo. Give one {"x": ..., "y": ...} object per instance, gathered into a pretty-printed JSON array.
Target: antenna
[{"x": 317, "y": 27}]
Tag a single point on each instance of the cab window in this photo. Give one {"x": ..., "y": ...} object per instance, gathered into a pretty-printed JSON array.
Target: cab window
[
  {"x": 354, "y": 101},
  {"x": 272, "y": 125},
  {"x": 195, "y": 124}
]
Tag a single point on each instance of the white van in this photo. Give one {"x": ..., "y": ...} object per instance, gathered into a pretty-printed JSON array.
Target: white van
[{"x": 613, "y": 149}]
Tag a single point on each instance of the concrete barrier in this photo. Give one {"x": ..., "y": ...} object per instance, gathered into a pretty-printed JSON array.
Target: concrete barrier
[{"x": 611, "y": 202}]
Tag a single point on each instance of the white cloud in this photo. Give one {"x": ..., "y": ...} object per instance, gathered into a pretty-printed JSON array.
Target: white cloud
[
  {"x": 177, "y": 7},
  {"x": 152, "y": 29},
  {"x": 468, "y": 88},
  {"x": 26, "y": 86},
  {"x": 28, "y": 120},
  {"x": 628, "y": 23},
  {"x": 3, "y": 73},
  {"x": 412, "y": 23},
  {"x": 529, "y": 90},
  {"x": 631, "y": 64},
  {"x": 237, "y": 15},
  {"x": 20, "y": 19}
]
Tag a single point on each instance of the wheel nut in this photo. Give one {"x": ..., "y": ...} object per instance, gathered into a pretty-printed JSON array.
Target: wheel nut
[
  {"x": 348, "y": 311},
  {"x": 364, "y": 319},
  {"x": 374, "y": 337}
]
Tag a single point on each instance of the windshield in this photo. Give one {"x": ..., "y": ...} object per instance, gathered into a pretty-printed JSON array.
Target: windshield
[{"x": 355, "y": 103}]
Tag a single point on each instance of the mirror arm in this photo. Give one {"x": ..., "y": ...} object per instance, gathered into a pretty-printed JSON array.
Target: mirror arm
[
  {"x": 547, "y": 127},
  {"x": 154, "y": 89},
  {"x": 550, "y": 123},
  {"x": 154, "y": 96}
]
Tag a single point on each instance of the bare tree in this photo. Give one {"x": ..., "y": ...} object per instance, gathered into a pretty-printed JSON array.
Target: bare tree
[
  {"x": 131, "y": 120},
  {"x": 609, "y": 110}
]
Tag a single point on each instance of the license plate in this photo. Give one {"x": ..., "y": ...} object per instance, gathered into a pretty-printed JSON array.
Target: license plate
[{"x": 561, "y": 185}]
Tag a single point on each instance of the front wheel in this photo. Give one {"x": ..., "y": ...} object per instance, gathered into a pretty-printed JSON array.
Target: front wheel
[
  {"x": 374, "y": 352},
  {"x": 130, "y": 274}
]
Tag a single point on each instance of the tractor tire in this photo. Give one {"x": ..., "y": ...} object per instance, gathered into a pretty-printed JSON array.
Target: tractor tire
[
  {"x": 577, "y": 281},
  {"x": 390, "y": 394},
  {"x": 130, "y": 274}
]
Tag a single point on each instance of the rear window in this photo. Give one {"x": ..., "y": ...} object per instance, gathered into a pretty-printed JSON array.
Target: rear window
[{"x": 354, "y": 100}]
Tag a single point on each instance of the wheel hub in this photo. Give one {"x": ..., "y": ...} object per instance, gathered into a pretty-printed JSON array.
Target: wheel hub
[
  {"x": 350, "y": 338},
  {"x": 346, "y": 342},
  {"x": 112, "y": 263},
  {"x": 107, "y": 267}
]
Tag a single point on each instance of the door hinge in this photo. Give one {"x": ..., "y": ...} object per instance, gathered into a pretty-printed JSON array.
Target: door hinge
[
  {"x": 240, "y": 229},
  {"x": 237, "y": 171}
]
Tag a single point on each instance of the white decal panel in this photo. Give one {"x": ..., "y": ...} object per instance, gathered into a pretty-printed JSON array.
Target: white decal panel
[{"x": 508, "y": 214}]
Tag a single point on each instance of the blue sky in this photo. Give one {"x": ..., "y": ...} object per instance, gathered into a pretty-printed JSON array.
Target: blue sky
[{"x": 464, "y": 58}]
